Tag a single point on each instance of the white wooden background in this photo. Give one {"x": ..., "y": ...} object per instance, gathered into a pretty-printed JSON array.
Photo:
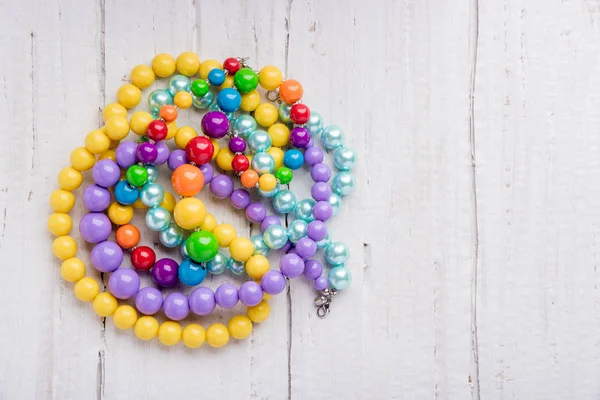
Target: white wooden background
[{"x": 472, "y": 227}]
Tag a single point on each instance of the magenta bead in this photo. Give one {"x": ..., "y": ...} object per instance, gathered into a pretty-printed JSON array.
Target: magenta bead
[
  {"x": 149, "y": 301},
  {"x": 306, "y": 248},
  {"x": 226, "y": 295},
  {"x": 240, "y": 199},
  {"x": 146, "y": 152},
  {"x": 299, "y": 137},
  {"x": 95, "y": 227},
  {"x": 291, "y": 265},
  {"x": 124, "y": 283},
  {"x": 322, "y": 210},
  {"x": 106, "y": 256},
  {"x": 164, "y": 272},
  {"x": 215, "y": 124},
  {"x": 176, "y": 306},
  {"x": 250, "y": 293},
  {"x": 312, "y": 269},
  {"x": 273, "y": 282},
  {"x": 202, "y": 301},
  {"x": 256, "y": 212},
  {"x": 106, "y": 173},
  {"x": 237, "y": 145},
  {"x": 221, "y": 186}
]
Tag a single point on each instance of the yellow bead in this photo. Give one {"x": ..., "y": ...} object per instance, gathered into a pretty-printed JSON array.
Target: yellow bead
[
  {"x": 267, "y": 182},
  {"x": 64, "y": 247},
  {"x": 62, "y": 201},
  {"x": 139, "y": 122},
  {"x": 209, "y": 224},
  {"x": 82, "y": 159},
  {"x": 241, "y": 249},
  {"x": 257, "y": 266},
  {"x": 163, "y": 65},
  {"x": 277, "y": 155},
  {"x": 270, "y": 77},
  {"x": 217, "y": 147},
  {"x": 168, "y": 202},
  {"x": 114, "y": 143},
  {"x": 240, "y": 327},
  {"x": 59, "y": 224},
  {"x": 183, "y": 100},
  {"x": 217, "y": 335},
  {"x": 184, "y": 135},
  {"x": 266, "y": 114},
  {"x": 266, "y": 296},
  {"x": 280, "y": 134},
  {"x": 189, "y": 213},
  {"x": 116, "y": 128},
  {"x": 139, "y": 204},
  {"x": 113, "y": 109},
  {"x": 224, "y": 233},
  {"x": 146, "y": 328},
  {"x": 228, "y": 82},
  {"x": 120, "y": 214},
  {"x": 169, "y": 333},
  {"x": 224, "y": 159},
  {"x": 142, "y": 76},
  {"x": 259, "y": 313},
  {"x": 108, "y": 155},
  {"x": 105, "y": 304},
  {"x": 193, "y": 336},
  {"x": 207, "y": 66},
  {"x": 86, "y": 289},
  {"x": 97, "y": 142},
  {"x": 172, "y": 129},
  {"x": 69, "y": 178},
  {"x": 72, "y": 269},
  {"x": 250, "y": 101},
  {"x": 188, "y": 63},
  {"x": 125, "y": 317},
  {"x": 129, "y": 95}
]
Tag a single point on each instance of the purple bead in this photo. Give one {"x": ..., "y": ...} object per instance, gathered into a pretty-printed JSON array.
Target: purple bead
[
  {"x": 124, "y": 283},
  {"x": 226, "y": 295},
  {"x": 320, "y": 172},
  {"x": 311, "y": 143},
  {"x": 106, "y": 173},
  {"x": 299, "y": 137},
  {"x": 322, "y": 210},
  {"x": 202, "y": 301},
  {"x": 250, "y": 293},
  {"x": 208, "y": 172},
  {"x": 273, "y": 282},
  {"x": 256, "y": 212},
  {"x": 96, "y": 198},
  {"x": 320, "y": 191},
  {"x": 215, "y": 124},
  {"x": 317, "y": 230},
  {"x": 237, "y": 145},
  {"x": 286, "y": 247},
  {"x": 106, "y": 256},
  {"x": 176, "y": 306},
  {"x": 292, "y": 251},
  {"x": 268, "y": 221},
  {"x": 125, "y": 154},
  {"x": 306, "y": 248},
  {"x": 163, "y": 153},
  {"x": 313, "y": 155},
  {"x": 321, "y": 283},
  {"x": 291, "y": 265},
  {"x": 240, "y": 199},
  {"x": 95, "y": 227},
  {"x": 221, "y": 186},
  {"x": 164, "y": 272},
  {"x": 177, "y": 158},
  {"x": 148, "y": 301},
  {"x": 312, "y": 269},
  {"x": 146, "y": 152}
]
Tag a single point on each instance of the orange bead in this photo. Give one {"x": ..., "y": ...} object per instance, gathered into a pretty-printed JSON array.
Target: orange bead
[
  {"x": 249, "y": 178},
  {"x": 169, "y": 113},
  {"x": 290, "y": 91},
  {"x": 127, "y": 236},
  {"x": 187, "y": 180}
]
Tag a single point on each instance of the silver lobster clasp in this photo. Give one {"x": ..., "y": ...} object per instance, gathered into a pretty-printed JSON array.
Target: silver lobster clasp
[{"x": 323, "y": 302}]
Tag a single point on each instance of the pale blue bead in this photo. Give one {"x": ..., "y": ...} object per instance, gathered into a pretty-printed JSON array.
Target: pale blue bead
[
  {"x": 219, "y": 264},
  {"x": 324, "y": 243},
  {"x": 339, "y": 278},
  {"x": 344, "y": 158},
  {"x": 263, "y": 163},
  {"x": 336, "y": 203},
  {"x": 244, "y": 125},
  {"x": 159, "y": 98},
  {"x": 260, "y": 247},
  {"x": 297, "y": 230},
  {"x": 152, "y": 173},
  {"x": 259, "y": 141},
  {"x": 332, "y": 137},
  {"x": 183, "y": 249},
  {"x": 215, "y": 107},
  {"x": 342, "y": 183},
  {"x": 152, "y": 194},
  {"x": 284, "y": 202},
  {"x": 304, "y": 210},
  {"x": 203, "y": 102},
  {"x": 284, "y": 113},
  {"x": 315, "y": 123},
  {"x": 275, "y": 236},
  {"x": 337, "y": 253},
  {"x": 237, "y": 268},
  {"x": 269, "y": 194},
  {"x": 179, "y": 83},
  {"x": 158, "y": 219},
  {"x": 172, "y": 236}
]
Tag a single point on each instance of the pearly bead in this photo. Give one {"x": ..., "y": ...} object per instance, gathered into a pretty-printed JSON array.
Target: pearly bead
[
  {"x": 152, "y": 194},
  {"x": 237, "y": 267},
  {"x": 297, "y": 229},
  {"x": 336, "y": 203},
  {"x": 158, "y": 219},
  {"x": 344, "y": 158},
  {"x": 275, "y": 236},
  {"x": 339, "y": 277},
  {"x": 179, "y": 83},
  {"x": 337, "y": 253},
  {"x": 203, "y": 102},
  {"x": 259, "y": 141},
  {"x": 342, "y": 183},
  {"x": 218, "y": 264},
  {"x": 172, "y": 236},
  {"x": 315, "y": 123},
  {"x": 269, "y": 194},
  {"x": 284, "y": 112},
  {"x": 260, "y": 247},
  {"x": 284, "y": 202},
  {"x": 159, "y": 98},
  {"x": 153, "y": 172},
  {"x": 263, "y": 163},
  {"x": 324, "y": 243},
  {"x": 332, "y": 137},
  {"x": 244, "y": 125},
  {"x": 304, "y": 210}
]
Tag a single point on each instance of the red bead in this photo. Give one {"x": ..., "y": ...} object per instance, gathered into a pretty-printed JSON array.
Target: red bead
[
  {"x": 232, "y": 65},
  {"x": 240, "y": 163},
  {"x": 143, "y": 258},
  {"x": 157, "y": 130},
  {"x": 200, "y": 150},
  {"x": 299, "y": 113}
]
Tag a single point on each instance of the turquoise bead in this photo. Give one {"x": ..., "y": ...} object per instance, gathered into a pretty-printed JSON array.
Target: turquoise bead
[
  {"x": 314, "y": 125},
  {"x": 324, "y": 243},
  {"x": 336, "y": 203},
  {"x": 304, "y": 210},
  {"x": 284, "y": 202},
  {"x": 229, "y": 100},
  {"x": 263, "y": 163},
  {"x": 269, "y": 194},
  {"x": 183, "y": 249},
  {"x": 339, "y": 278},
  {"x": 190, "y": 273},
  {"x": 342, "y": 183},
  {"x": 159, "y": 98},
  {"x": 259, "y": 141},
  {"x": 237, "y": 268},
  {"x": 260, "y": 247},
  {"x": 219, "y": 264},
  {"x": 244, "y": 125},
  {"x": 153, "y": 173},
  {"x": 172, "y": 236},
  {"x": 337, "y": 253},
  {"x": 158, "y": 219},
  {"x": 275, "y": 236},
  {"x": 332, "y": 137},
  {"x": 344, "y": 158},
  {"x": 152, "y": 194},
  {"x": 284, "y": 113},
  {"x": 203, "y": 102},
  {"x": 297, "y": 230},
  {"x": 179, "y": 83}
]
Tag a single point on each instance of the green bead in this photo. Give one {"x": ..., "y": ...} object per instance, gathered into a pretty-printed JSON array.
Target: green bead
[
  {"x": 199, "y": 87},
  {"x": 136, "y": 175},
  {"x": 284, "y": 175},
  {"x": 245, "y": 80},
  {"x": 202, "y": 246}
]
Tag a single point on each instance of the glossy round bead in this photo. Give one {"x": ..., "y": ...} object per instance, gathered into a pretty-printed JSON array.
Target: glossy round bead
[
  {"x": 153, "y": 173},
  {"x": 221, "y": 186},
  {"x": 290, "y": 91},
  {"x": 69, "y": 178},
  {"x": 209, "y": 224},
  {"x": 129, "y": 95},
  {"x": 317, "y": 231},
  {"x": 320, "y": 283},
  {"x": 168, "y": 113},
  {"x": 168, "y": 202},
  {"x": 322, "y": 211},
  {"x": 142, "y": 76},
  {"x": 105, "y": 304},
  {"x": 60, "y": 224},
  {"x": 72, "y": 269},
  {"x": 157, "y": 130},
  {"x": 178, "y": 83},
  {"x": 199, "y": 87},
  {"x": 97, "y": 142},
  {"x": 120, "y": 214},
  {"x": 320, "y": 173},
  {"x": 266, "y": 114},
  {"x": 215, "y": 124},
  {"x": 218, "y": 264},
  {"x": 95, "y": 227},
  {"x": 127, "y": 236},
  {"x": 259, "y": 313},
  {"x": 172, "y": 236},
  {"x": 240, "y": 199},
  {"x": 284, "y": 201},
  {"x": 291, "y": 265},
  {"x": 199, "y": 150},
  {"x": 82, "y": 159},
  {"x": 113, "y": 109},
  {"x": 229, "y": 100},
  {"x": 249, "y": 178},
  {"x": 108, "y": 155},
  {"x": 241, "y": 249},
  {"x": 224, "y": 234},
  {"x": 124, "y": 283},
  {"x": 320, "y": 191},
  {"x": 237, "y": 145},
  {"x": 250, "y": 293},
  {"x": 190, "y": 273},
  {"x": 299, "y": 113},
  {"x": 159, "y": 98},
  {"x": 304, "y": 210},
  {"x": 339, "y": 278},
  {"x": 299, "y": 137},
  {"x": 260, "y": 247},
  {"x": 250, "y": 101},
  {"x": 125, "y": 154},
  {"x": 306, "y": 248},
  {"x": 259, "y": 141},
  {"x": 184, "y": 135},
  {"x": 86, "y": 289},
  {"x": 267, "y": 182},
  {"x": 257, "y": 266},
  {"x": 169, "y": 333},
  {"x": 279, "y": 134},
  {"x": 332, "y": 137},
  {"x": 152, "y": 194},
  {"x": 236, "y": 267},
  {"x": 164, "y": 272},
  {"x": 149, "y": 300},
  {"x": 203, "y": 102},
  {"x": 342, "y": 183},
  {"x": 188, "y": 63},
  {"x": 202, "y": 246},
  {"x": 273, "y": 282},
  {"x": 225, "y": 159},
  {"x": 284, "y": 113},
  {"x": 62, "y": 201},
  {"x": 216, "y": 77},
  {"x": 116, "y": 128},
  {"x": 202, "y": 301},
  {"x": 296, "y": 230},
  {"x": 193, "y": 335},
  {"x": 146, "y": 153},
  {"x": 189, "y": 213},
  {"x": 336, "y": 203},
  {"x": 226, "y": 295},
  {"x": 344, "y": 158},
  {"x": 263, "y": 163},
  {"x": 207, "y": 66},
  {"x": 256, "y": 212},
  {"x": 337, "y": 253},
  {"x": 183, "y": 100},
  {"x": 270, "y": 77},
  {"x": 143, "y": 258},
  {"x": 106, "y": 256},
  {"x": 187, "y": 180},
  {"x": 240, "y": 327},
  {"x": 124, "y": 317},
  {"x": 217, "y": 335},
  {"x": 158, "y": 219},
  {"x": 163, "y": 65},
  {"x": 232, "y": 65},
  {"x": 244, "y": 125},
  {"x": 136, "y": 175},
  {"x": 139, "y": 121},
  {"x": 146, "y": 328},
  {"x": 312, "y": 269},
  {"x": 315, "y": 124},
  {"x": 275, "y": 236},
  {"x": 240, "y": 163},
  {"x": 293, "y": 159},
  {"x": 245, "y": 80}
]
